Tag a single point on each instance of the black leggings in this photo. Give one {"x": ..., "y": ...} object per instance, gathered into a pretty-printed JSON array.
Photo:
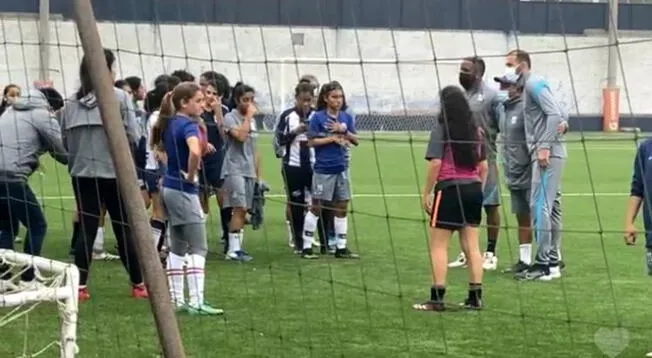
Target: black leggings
[{"x": 90, "y": 194}]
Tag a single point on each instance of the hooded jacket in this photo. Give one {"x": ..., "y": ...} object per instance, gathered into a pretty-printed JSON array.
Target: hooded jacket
[
  {"x": 85, "y": 139},
  {"x": 27, "y": 130}
]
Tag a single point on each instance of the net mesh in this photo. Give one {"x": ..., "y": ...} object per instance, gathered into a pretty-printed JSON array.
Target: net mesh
[{"x": 280, "y": 306}]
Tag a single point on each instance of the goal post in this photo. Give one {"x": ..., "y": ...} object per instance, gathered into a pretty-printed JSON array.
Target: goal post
[{"x": 61, "y": 286}]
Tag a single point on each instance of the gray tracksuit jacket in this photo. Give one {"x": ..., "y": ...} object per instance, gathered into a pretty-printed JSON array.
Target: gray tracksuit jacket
[
  {"x": 85, "y": 139},
  {"x": 28, "y": 129},
  {"x": 543, "y": 115}
]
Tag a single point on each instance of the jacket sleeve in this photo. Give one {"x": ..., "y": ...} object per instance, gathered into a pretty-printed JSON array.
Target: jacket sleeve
[
  {"x": 283, "y": 134},
  {"x": 129, "y": 118},
  {"x": 542, "y": 95},
  {"x": 50, "y": 133},
  {"x": 638, "y": 182}
]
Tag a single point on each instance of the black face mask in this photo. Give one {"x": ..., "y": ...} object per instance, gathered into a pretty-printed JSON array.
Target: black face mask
[{"x": 467, "y": 80}]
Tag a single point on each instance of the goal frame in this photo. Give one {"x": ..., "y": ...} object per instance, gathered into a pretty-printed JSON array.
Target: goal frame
[{"x": 67, "y": 294}]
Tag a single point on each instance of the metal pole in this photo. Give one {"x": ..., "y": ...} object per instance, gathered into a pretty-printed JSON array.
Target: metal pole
[
  {"x": 612, "y": 59},
  {"x": 44, "y": 40},
  {"x": 160, "y": 302}
]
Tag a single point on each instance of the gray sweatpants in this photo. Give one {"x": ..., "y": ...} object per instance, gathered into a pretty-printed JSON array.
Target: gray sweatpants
[
  {"x": 187, "y": 222},
  {"x": 545, "y": 208}
]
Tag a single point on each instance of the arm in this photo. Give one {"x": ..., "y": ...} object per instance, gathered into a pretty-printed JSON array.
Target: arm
[
  {"x": 432, "y": 173},
  {"x": 284, "y": 135},
  {"x": 241, "y": 131},
  {"x": 541, "y": 95},
  {"x": 350, "y": 134},
  {"x": 129, "y": 119},
  {"x": 259, "y": 169},
  {"x": 637, "y": 190},
  {"x": 317, "y": 135},
  {"x": 50, "y": 133},
  {"x": 434, "y": 155},
  {"x": 193, "y": 157}
]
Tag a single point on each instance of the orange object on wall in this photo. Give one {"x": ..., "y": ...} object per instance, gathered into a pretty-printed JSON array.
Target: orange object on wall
[{"x": 610, "y": 109}]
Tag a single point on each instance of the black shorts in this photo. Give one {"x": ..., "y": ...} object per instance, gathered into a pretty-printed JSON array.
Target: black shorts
[
  {"x": 297, "y": 180},
  {"x": 209, "y": 179},
  {"x": 457, "y": 205}
]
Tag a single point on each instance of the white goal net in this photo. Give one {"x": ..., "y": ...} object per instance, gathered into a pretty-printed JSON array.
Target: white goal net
[{"x": 55, "y": 282}]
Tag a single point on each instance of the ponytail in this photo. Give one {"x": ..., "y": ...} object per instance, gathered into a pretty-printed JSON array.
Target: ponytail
[{"x": 166, "y": 112}]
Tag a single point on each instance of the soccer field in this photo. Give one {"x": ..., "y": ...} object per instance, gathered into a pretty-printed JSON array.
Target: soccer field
[{"x": 281, "y": 306}]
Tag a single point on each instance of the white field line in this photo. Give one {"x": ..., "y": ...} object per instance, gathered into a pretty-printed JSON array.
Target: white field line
[{"x": 391, "y": 195}]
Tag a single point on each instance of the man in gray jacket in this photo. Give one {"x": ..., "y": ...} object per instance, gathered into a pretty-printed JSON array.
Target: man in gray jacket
[
  {"x": 28, "y": 129},
  {"x": 543, "y": 119}
]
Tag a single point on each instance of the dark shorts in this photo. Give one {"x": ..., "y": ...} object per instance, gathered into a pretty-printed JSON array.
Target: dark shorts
[
  {"x": 457, "y": 206},
  {"x": 140, "y": 175},
  {"x": 209, "y": 180},
  {"x": 151, "y": 179}
]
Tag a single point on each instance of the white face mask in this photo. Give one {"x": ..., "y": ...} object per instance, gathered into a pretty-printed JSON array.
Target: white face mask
[{"x": 510, "y": 71}]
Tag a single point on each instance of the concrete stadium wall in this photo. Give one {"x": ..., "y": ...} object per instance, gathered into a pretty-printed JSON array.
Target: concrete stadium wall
[{"x": 364, "y": 60}]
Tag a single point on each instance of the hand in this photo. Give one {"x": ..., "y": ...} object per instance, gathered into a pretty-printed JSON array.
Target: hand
[
  {"x": 251, "y": 111},
  {"x": 193, "y": 179},
  {"x": 630, "y": 235},
  {"x": 210, "y": 148},
  {"x": 335, "y": 127},
  {"x": 216, "y": 104},
  {"x": 562, "y": 128},
  {"x": 302, "y": 128},
  {"x": 543, "y": 157},
  {"x": 427, "y": 203},
  {"x": 338, "y": 139}
]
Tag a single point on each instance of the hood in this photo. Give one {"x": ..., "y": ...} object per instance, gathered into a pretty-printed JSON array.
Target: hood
[
  {"x": 89, "y": 101},
  {"x": 512, "y": 101},
  {"x": 32, "y": 100}
]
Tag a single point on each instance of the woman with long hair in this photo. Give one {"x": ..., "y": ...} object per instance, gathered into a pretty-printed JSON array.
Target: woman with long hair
[
  {"x": 330, "y": 132},
  {"x": 94, "y": 177},
  {"x": 177, "y": 132},
  {"x": 457, "y": 170}
]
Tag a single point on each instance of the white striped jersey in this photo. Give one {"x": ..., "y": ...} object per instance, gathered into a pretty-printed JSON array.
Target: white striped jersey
[{"x": 293, "y": 147}]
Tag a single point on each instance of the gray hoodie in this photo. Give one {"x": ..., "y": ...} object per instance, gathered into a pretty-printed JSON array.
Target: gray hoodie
[
  {"x": 85, "y": 139},
  {"x": 27, "y": 130},
  {"x": 515, "y": 152}
]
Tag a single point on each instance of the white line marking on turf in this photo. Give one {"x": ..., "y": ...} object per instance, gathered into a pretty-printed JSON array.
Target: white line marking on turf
[{"x": 390, "y": 195}]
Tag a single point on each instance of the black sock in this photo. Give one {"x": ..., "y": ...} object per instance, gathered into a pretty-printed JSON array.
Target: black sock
[
  {"x": 76, "y": 228},
  {"x": 225, "y": 218},
  {"x": 491, "y": 246},
  {"x": 437, "y": 293},
  {"x": 475, "y": 292},
  {"x": 160, "y": 226}
]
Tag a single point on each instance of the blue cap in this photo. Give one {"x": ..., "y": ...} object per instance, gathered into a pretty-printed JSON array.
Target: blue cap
[{"x": 508, "y": 79}]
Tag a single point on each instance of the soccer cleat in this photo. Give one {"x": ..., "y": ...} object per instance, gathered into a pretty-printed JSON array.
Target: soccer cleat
[
  {"x": 240, "y": 256},
  {"x": 308, "y": 254},
  {"x": 104, "y": 256},
  {"x": 555, "y": 271},
  {"x": 204, "y": 310},
  {"x": 83, "y": 294},
  {"x": 345, "y": 254},
  {"x": 139, "y": 291},
  {"x": 459, "y": 262},
  {"x": 518, "y": 267},
  {"x": 489, "y": 261},
  {"x": 430, "y": 306},
  {"x": 472, "y": 305},
  {"x": 536, "y": 272}
]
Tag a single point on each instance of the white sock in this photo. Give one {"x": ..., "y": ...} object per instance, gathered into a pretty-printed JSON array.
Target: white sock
[
  {"x": 166, "y": 242},
  {"x": 559, "y": 255},
  {"x": 341, "y": 228},
  {"x": 175, "y": 278},
  {"x": 288, "y": 225},
  {"x": 525, "y": 253},
  {"x": 195, "y": 276},
  {"x": 309, "y": 228},
  {"x": 234, "y": 242},
  {"x": 308, "y": 197},
  {"x": 241, "y": 238},
  {"x": 98, "y": 246}
]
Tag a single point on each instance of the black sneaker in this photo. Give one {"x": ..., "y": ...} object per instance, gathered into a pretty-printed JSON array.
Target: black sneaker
[
  {"x": 345, "y": 254},
  {"x": 308, "y": 254},
  {"x": 535, "y": 272},
  {"x": 518, "y": 267}
]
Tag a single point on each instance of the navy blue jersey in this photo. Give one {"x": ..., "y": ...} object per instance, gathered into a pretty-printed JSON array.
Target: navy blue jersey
[{"x": 330, "y": 158}]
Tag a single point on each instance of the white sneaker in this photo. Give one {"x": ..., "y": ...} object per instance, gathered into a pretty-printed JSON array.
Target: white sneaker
[
  {"x": 555, "y": 272},
  {"x": 105, "y": 256},
  {"x": 7, "y": 286},
  {"x": 290, "y": 241},
  {"x": 489, "y": 261},
  {"x": 459, "y": 262}
]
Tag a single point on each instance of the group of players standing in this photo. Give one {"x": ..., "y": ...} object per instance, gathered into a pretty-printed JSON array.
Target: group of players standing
[
  {"x": 463, "y": 175},
  {"x": 194, "y": 140}
]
